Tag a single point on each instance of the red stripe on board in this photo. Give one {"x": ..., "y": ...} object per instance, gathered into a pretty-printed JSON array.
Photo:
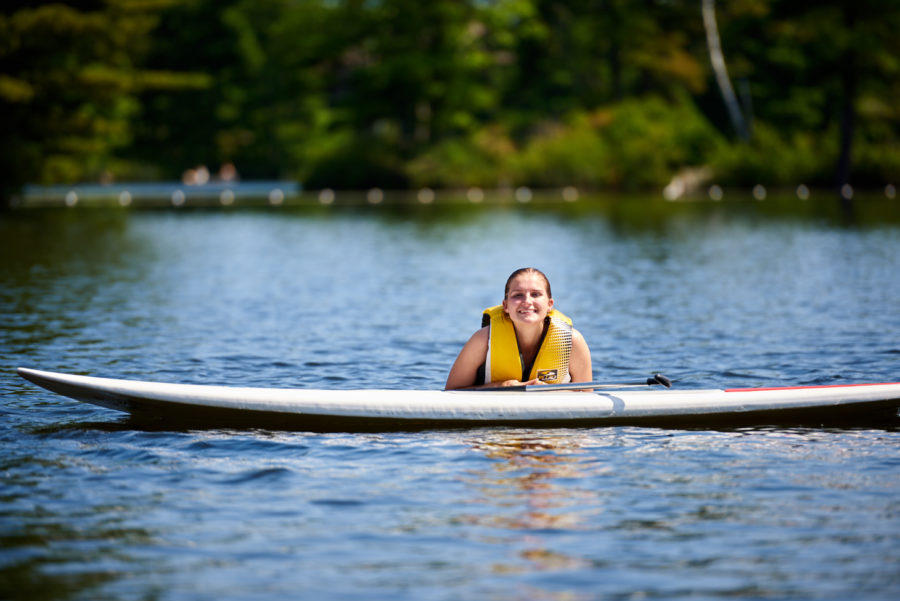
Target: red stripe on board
[{"x": 809, "y": 387}]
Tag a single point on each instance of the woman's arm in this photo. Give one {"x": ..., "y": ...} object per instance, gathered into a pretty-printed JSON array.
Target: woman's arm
[
  {"x": 472, "y": 355},
  {"x": 580, "y": 368}
]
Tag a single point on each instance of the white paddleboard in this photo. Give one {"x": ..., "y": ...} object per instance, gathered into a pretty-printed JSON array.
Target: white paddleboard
[{"x": 378, "y": 408}]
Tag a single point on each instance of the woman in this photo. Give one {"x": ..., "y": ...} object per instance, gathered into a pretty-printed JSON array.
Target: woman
[{"x": 523, "y": 341}]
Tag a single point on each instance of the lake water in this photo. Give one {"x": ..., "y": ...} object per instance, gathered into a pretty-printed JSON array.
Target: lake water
[{"x": 710, "y": 294}]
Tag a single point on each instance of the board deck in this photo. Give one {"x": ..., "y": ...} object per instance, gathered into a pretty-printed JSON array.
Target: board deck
[{"x": 378, "y": 408}]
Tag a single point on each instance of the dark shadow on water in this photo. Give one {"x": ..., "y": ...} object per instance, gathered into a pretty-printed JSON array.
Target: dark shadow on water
[{"x": 883, "y": 417}]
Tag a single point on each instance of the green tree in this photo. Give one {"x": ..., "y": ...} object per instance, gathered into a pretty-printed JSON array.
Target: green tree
[
  {"x": 826, "y": 69},
  {"x": 69, "y": 74},
  {"x": 355, "y": 93},
  {"x": 413, "y": 74}
]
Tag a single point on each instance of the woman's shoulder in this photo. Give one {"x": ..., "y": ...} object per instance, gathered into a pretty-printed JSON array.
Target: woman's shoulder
[
  {"x": 578, "y": 340},
  {"x": 481, "y": 335}
]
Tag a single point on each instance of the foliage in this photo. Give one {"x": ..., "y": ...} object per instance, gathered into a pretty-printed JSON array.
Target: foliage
[
  {"x": 650, "y": 139},
  {"x": 68, "y": 85},
  {"x": 563, "y": 154},
  {"x": 775, "y": 159},
  {"x": 481, "y": 159},
  {"x": 452, "y": 93}
]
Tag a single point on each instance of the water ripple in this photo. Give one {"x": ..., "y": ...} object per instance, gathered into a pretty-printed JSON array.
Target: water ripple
[{"x": 96, "y": 506}]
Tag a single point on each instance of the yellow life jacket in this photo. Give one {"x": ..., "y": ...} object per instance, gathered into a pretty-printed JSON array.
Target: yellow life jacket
[{"x": 504, "y": 360}]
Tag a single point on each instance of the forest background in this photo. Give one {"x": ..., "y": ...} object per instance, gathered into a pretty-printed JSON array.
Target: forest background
[{"x": 353, "y": 94}]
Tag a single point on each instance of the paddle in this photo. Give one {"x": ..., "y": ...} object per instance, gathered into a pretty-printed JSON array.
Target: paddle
[{"x": 656, "y": 380}]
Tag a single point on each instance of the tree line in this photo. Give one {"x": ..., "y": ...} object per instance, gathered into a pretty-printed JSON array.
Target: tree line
[{"x": 452, "y": 93}]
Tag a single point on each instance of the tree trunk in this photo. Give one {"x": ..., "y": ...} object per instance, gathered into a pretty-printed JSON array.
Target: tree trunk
[
  {"x": 717, "y": 58},
  {"x": 849, "y": 80}
]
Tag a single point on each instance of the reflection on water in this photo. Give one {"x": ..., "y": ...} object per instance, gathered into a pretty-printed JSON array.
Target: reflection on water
[
  {"x": 571, "y": 503},
  {"x": 528, "y": 490},
  {"x": 526, "y": 476},
  {"x": 507, "y": 514}
]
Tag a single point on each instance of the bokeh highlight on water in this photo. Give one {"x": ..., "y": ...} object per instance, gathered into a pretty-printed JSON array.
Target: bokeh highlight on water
[{"x": 93, "y": 507}]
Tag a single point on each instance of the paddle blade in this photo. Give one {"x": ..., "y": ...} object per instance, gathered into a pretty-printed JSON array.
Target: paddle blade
[{"x": 659, "y": 379}]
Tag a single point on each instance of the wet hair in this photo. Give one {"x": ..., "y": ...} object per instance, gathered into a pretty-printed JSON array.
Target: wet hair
[{"x": 523, "y": 271}]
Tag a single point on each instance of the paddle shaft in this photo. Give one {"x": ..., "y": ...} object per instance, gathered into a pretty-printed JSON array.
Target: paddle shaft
[{"x": 657, "y": 380}]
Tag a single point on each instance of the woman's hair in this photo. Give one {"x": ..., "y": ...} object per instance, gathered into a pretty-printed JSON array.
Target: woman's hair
[{"x": 523, "y": 271}]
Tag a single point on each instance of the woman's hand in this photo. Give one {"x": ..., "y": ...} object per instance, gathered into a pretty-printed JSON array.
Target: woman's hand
[{"x": 534, "y": 382}]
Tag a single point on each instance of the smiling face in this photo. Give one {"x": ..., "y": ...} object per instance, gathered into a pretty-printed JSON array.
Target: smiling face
[{"x": 528, "y": 299}]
